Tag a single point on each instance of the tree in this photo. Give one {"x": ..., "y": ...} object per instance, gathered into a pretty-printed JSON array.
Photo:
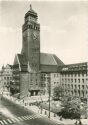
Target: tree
[
  {"x": 58, "y": 92},
  {"x": 70, "y": 108}
]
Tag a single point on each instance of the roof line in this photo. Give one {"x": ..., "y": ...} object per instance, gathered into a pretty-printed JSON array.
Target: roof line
[
  {"x": 46, "y": 53},
  {"x": 54, "y": 60},
  {"x": 76, "y": 64},
  {"x": 18, "y": 62}
]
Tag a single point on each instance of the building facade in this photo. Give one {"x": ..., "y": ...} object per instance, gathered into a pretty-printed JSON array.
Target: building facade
[
  {"x": 35, "y": 72},
  {"x": 74, "y": 79},
  {"x": 6, "y": 77},
  {"x": 30, "y": 66}
]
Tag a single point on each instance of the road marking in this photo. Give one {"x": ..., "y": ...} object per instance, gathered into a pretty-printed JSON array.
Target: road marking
[
  {"x": 14, "y": 120},
  {"x": 5, "y": 122},
  {"x": 23, "y": 117},
  {"x": 9, "y": 121},
  {"x": 35, "y": 117},
  {"x": 27, "y": 117},
  {"x": 18, "y": 119},
  {"x": 1, "y": 122},
  {"x": 30, "y": 117}
]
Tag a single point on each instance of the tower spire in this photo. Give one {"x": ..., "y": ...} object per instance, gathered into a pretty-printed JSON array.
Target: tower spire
[{"x": 30, "y": 7}]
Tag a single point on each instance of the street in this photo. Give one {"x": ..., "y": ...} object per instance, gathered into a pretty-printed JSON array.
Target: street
[{"x": 14, "y": 114}]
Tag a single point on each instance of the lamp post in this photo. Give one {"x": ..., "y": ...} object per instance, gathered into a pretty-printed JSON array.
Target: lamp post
[{"x": 49, "y": 94}]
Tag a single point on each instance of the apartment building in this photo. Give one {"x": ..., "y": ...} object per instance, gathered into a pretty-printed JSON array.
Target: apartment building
[
  {"x": 6, "y": 77},
  {"x": 74, "y": 79}
]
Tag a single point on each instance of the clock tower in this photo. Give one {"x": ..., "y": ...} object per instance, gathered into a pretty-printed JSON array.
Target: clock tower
[{"x": 31, "y": 40}]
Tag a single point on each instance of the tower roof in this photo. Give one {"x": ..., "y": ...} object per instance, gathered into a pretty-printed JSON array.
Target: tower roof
[{"x": 31, "y": 12}]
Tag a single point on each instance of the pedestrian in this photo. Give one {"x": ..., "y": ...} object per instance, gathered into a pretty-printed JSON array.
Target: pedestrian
[
  {"x": 76, "y": 123},
  {"x": 61, "y": 118},
  {"x": 80, "y": 123}
]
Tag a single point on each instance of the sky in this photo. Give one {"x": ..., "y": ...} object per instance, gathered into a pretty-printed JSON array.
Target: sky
[{"x": 64, "y": 29}]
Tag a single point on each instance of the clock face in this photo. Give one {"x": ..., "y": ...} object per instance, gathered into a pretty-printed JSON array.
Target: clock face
[{"x": 35, "y": 36}]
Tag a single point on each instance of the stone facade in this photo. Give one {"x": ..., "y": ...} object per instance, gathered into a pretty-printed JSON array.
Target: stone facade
[
  {"x": 24, "y": 80},
  {"x": 55, "y": 81},
  {"x": 30, "y": 65},
  {"x": 74, "y": 79},
  {"x": 31, "y": 40},
  {"x": 35, "y": 72},
  {"x": 6, "y": 77}
]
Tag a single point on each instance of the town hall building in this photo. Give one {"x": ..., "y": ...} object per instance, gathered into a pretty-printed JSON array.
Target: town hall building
[
  {"x": 31, "y": 66},
  {"x": 35, "y": 73}
]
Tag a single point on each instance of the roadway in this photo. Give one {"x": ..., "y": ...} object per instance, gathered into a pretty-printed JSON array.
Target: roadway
[{"x": 14, "y": 114}]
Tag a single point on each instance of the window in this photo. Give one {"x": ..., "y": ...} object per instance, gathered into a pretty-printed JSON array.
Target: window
[
  {"x": 4, "y": 77},
  {"x": 54, "y": 82},
  {"x": 7, "y": 78},
  {"x": 71, "y": 80},
  {"x": 4, "y": 83},
  {"x": 45, "y": 112},
  {"x": 87, "y": 86},
  {"x": 75, "y": 80},
  {"x": 78, "y": 80},
  {"x": 72, "y": 75},
  {"x": 72, "y": 86},
  {"x": 82, "y": 74},
  {"x": 83, "y": 93},
  {"x": 68, "y": 80},
  {"x": 83, "y": 80},
  {"x": 79, "y": 93},
  {"x": 75, "y": 75},
  {"x": 82, "y": 86},
  {"x": 79, "y": 75},
  {"x": 75, "y": 86},
  {"x": 62, "y": 80},
  {"x": 79, "y": 86},
  {"x": 68, "y": 86},
  {"x": 65, "y": 80},
  {"x": 31, "y": 83},
  {"x": 54, "y": 75},
  {"x": 72, "y": 92}
]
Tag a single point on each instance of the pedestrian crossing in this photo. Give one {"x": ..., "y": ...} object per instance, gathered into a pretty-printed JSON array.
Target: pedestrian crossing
[{"x": 18, "y": 119}]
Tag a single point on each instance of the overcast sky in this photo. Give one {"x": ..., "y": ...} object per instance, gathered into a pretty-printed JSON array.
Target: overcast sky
[{"x": 64, "y": 29}]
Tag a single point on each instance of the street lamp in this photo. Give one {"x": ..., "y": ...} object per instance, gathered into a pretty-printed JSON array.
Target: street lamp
[{"x": 49, "y": 94}]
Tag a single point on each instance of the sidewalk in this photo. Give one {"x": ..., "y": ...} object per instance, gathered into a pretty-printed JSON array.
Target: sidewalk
[{"x": 37, "y": 110}]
